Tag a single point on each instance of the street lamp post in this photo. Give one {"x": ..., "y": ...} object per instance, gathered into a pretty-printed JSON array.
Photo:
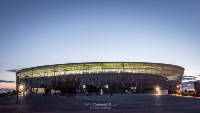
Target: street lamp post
[
  {"x": 132, "y": 85},
  {"x": 182, "y": 90},
  {"x": 189, "y": 89},
  {"x": 17, "y": 87},
  {"x": 30, "y": 87}
]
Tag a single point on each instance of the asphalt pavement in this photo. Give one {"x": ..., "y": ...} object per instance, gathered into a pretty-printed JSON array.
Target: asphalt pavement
[{"x": 117, "y": 103}]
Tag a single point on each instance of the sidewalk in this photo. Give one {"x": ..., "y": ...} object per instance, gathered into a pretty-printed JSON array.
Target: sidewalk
[
  {"x": 22, "y": 106},
  {"x": 10, "y": 105},
  {"x": 184, "y": 96}
]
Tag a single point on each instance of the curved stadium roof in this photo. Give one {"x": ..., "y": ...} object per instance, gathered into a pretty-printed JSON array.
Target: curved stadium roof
[{"x": 172, "y": 72}]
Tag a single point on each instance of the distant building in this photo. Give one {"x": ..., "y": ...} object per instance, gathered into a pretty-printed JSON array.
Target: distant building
[
  {"x": 197, "y": 87},
  {"x": 188, "y": 83}
]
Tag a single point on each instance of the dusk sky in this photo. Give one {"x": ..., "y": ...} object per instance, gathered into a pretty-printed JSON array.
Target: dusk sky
[{"x": 45, "y": 32}]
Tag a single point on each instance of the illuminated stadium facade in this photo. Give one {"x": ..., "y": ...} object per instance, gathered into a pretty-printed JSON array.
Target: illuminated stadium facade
[{"x": 118, "y": 76}]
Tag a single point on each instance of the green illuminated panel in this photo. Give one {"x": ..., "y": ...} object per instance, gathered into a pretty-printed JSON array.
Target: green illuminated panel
[{"x": 165, "y": 70}]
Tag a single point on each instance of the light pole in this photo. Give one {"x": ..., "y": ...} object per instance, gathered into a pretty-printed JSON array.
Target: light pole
[
  {"x": 17, "y": 87},
  {"x": 30, "y": 87},
  {"x": 132, "y": 86},
  {"x": 188, "y": 89},
  {"x": 182, "y": 89}
]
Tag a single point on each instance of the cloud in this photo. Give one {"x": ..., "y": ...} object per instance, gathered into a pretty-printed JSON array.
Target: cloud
[
  {"x": 13, "y": 70},
  {"x": 1, "y": 81}
]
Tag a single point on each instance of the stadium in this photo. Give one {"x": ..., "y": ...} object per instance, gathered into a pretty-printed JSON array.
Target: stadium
[{"x": 118, "y": 77}]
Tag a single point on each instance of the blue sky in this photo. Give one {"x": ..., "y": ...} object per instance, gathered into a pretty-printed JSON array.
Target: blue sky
[{"x": 34, "y": 33}]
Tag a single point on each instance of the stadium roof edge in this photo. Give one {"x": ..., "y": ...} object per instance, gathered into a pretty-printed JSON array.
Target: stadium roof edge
[{"x": 98, "y": 62}]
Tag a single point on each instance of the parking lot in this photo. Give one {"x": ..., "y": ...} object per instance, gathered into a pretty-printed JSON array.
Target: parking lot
[{"x": 118, "y": 103}]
